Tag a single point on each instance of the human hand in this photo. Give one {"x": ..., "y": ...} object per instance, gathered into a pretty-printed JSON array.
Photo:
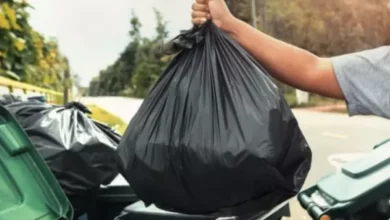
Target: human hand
[{"x": 217, "y": 10}]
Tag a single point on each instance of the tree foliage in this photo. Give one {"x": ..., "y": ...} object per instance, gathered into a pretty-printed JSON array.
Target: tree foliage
[
  {"x": 331, "y": 27},
  {"x": 138, "y": 66},
  {"x": 324, "y": 27},
  {"x": 24, "y": 53}
]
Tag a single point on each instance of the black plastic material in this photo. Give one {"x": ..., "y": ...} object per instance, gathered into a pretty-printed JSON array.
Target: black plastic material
[
  {"x": 363, "y": 189},
  {"x": 7, "y": 99},
  {"x": 78, "y": 151},
  {"x": 140, "y": 212},
  {"x": 214, "y": 133},
  {"x": 24, "y": 110},
  {"x": 38, "y": 98},
  {"x": 111, "y": 133}
]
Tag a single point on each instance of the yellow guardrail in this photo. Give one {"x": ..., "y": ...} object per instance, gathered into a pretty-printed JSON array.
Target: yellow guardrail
[{"x": 24, "y": 89}]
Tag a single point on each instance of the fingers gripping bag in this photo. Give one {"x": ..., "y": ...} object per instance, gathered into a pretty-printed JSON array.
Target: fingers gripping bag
[{"x": 214, "y": 133}]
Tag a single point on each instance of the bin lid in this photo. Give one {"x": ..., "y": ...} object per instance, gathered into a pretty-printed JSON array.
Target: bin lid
[
  {"x": 369, "y": 175},
  {"x": 28, "y": 189}
]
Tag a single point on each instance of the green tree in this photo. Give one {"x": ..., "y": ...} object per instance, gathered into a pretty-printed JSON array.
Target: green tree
[
  {"x": 329, "y": 28},
  {"x": 24, "y": 53},
  {"x": 116, "y": 78},
  {"x": 138, "y": 66},
  {"x": 149, "y": 60},
  {"x": 93, "y": 89},
  {"x": 241, "y": 9},
  {"x": 324, "y": 27}
]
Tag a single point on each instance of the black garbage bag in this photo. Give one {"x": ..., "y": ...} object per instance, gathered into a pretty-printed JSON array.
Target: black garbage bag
[
  {"x": 28, "y": 110},
  {"x": 214, "y": 133},
  {"x": 9, "y": 98},
  {"x": 110, "y": 132},
  {"x": 80, "y": 152}
]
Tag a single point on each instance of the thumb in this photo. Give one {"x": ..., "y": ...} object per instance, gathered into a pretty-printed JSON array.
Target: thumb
[
  {"x": 219, "y": 4},
  {"x": 214, "y": 1}
]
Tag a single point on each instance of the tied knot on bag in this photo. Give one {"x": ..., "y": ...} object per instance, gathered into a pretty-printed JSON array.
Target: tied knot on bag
[
  {"x": 187, "y": 39},
  {"x": 79, "y": 106}
]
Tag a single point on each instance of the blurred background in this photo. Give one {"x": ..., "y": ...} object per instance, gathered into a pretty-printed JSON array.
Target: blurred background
[
  {"x": 99, "y": 48},
  {"x": 106, "y": 54}
]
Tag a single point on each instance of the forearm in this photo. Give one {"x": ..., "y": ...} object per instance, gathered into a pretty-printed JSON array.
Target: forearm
[{"x": 287, "y": 63}]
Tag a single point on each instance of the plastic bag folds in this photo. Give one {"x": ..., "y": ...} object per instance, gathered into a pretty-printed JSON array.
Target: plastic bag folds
[
  {"x": 215, "y": 133},
  {"x": 80, "y": 152}
]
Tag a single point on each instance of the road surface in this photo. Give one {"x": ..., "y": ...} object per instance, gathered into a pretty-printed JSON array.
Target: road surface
[{"x": 333, "y": 138}]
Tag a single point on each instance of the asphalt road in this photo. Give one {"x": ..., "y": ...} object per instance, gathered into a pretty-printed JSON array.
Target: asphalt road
[{"x": 334, "y": 138}]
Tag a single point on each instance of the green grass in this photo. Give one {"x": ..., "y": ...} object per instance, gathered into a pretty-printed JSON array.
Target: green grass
[
  {"x": 314, "y": 100},
  {"x": 104, "y": 116},
  {"x": 291, "y": 99}
]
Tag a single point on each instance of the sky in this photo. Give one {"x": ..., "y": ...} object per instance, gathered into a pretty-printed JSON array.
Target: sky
[{"x": 92, "y": 33}]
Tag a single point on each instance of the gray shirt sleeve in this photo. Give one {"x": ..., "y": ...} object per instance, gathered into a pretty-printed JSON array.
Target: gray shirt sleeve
[{"x": 364, "y": 78}]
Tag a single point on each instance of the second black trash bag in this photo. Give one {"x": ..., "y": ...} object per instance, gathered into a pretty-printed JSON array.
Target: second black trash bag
[
  {"x": 9, "y": 98},
  {"x": 214, "y": 132},
  {"x": 23, "y": 111},
  {"x": 80, "y": 152}
]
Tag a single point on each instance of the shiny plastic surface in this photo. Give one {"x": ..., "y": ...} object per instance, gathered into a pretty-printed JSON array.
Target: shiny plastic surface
[
  {"x": 214, "y": 132},
  {"x": 80, "y": 152}
]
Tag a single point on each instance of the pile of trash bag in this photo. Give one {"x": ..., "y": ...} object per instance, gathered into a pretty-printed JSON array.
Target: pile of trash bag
[
  {"x": 215, "y": 133},
  {"x": 80, "y": 152},
  {"x": 24, "y": 111},
  {"x": 7, "y": 99}
]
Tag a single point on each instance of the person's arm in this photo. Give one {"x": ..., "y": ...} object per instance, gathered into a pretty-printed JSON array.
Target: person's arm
[
  {"x": 364, "y": 78},
  {"x": 287, "y": 63}
]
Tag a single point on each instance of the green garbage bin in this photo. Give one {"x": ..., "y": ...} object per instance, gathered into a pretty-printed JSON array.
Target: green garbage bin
[
  {"x": 359, "y": 190},
  {"x": 114, "y": 198},
  {"x": 28, "y": 189}
]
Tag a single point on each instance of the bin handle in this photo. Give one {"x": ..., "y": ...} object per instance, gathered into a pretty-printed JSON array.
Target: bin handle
[{"x": 311, "y": 207}]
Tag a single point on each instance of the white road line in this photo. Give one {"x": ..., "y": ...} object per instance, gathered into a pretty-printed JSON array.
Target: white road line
[
  {"x": 338, "y": 160},
  {"x": 339, "y": 136}
]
